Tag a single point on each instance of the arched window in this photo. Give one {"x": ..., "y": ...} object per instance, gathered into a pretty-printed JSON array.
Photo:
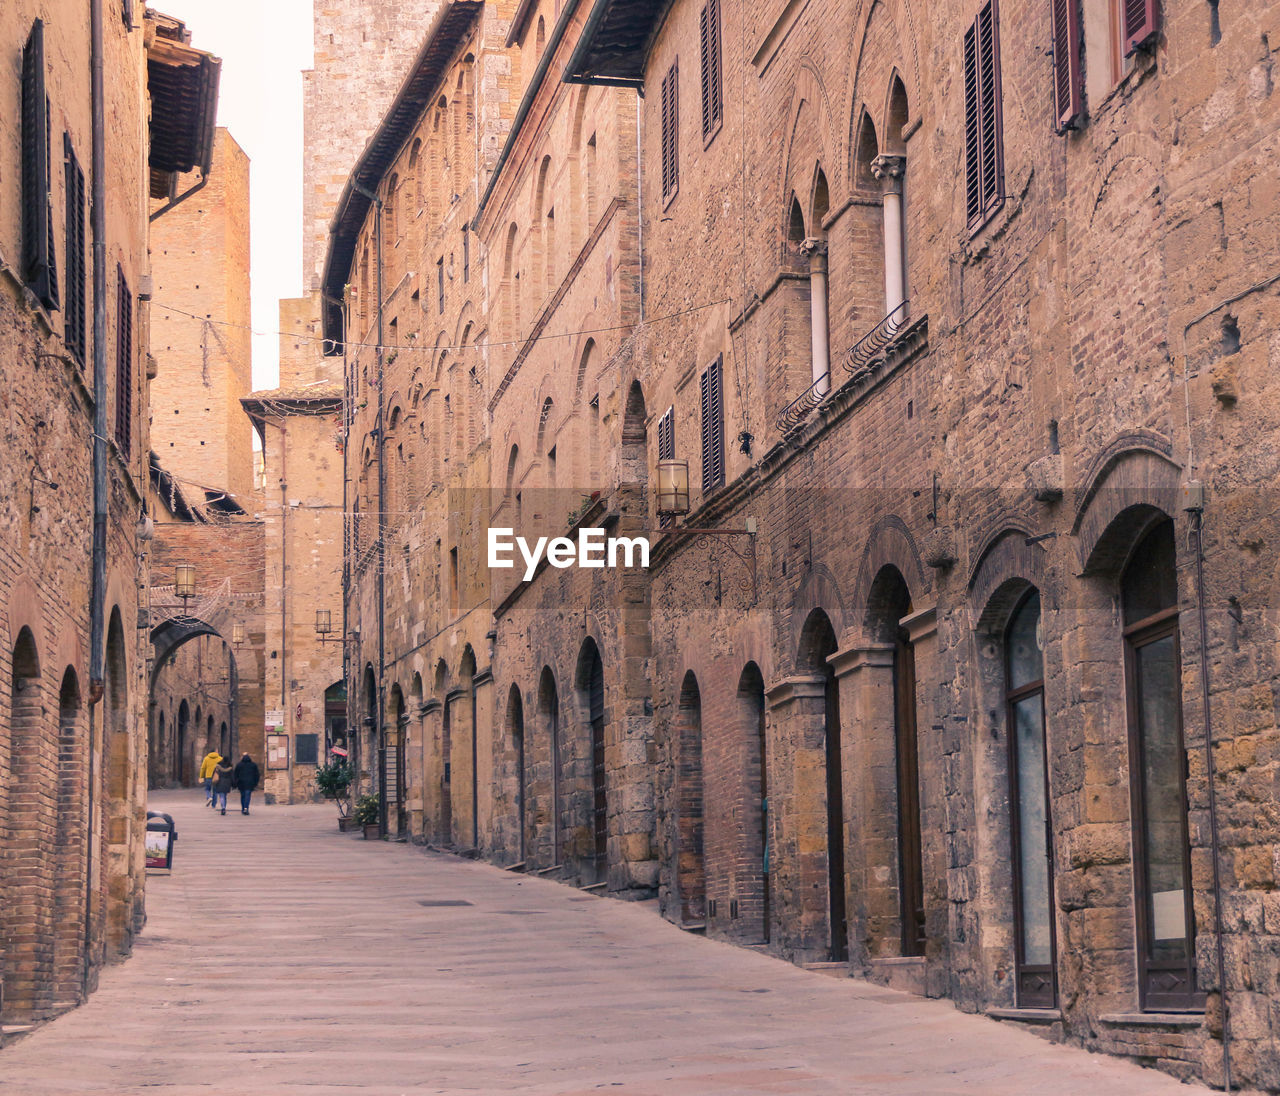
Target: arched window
[
  {"x": 591, "y": 693},
  {"x": 1029, "y": 807},
  {"x": 1157, "y": 774}
]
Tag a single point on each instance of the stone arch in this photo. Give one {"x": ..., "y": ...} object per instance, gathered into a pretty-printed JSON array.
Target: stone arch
[
  {"x": 70, "y": 838},
  {"x": 550, "y": 733},
  {"x": 889, "y": 543},
  {"x": 906, "y": 55},
  {"x": 118, "y": 779},
  {"x": 819, "y": 591},
  {"x": 466, "y": 719},
  {"x": 24, "y": 970},
  {"x": 896, "y": 116},
  {"x": 1135, "y": 477},
  {"x": 691, "y": 866},
  {"x": 1005, "y": 567},
  {"x": 590, "y": 768},
  {"x": 515, "y": 732},
  {"x": 754, "y": 893},
  {"x": 808, "y": 140}
]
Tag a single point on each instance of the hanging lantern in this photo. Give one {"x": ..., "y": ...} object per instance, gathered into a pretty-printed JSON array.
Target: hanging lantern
[
  {"x": 324, "y": 622},
  {"x": 184, "y": 581},
  {"x": 673, "y": 487}
]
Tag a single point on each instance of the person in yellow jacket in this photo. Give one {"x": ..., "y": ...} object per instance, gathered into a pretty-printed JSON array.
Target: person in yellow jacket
[{"x": 207, "y": 766}]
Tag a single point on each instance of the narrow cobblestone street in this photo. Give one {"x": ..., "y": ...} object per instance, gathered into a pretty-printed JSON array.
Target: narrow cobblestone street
[{"x": 281, "y": 956}]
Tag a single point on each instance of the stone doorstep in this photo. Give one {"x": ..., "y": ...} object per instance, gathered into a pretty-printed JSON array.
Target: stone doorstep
[
  {"x": 829, "y": 970},
  {"x": 1026, "y": 1015},
  {"x": 1153, "y": 1019},
  {"x": 905, "y": 973}
]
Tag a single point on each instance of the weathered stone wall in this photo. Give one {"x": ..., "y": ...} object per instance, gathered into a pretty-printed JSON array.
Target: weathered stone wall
[
  {"x": 201, "y": 337},
  {"x": 72, "y": 850}
]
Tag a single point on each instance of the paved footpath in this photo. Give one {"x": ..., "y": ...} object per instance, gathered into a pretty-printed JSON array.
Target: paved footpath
[{"x": 284, "y": 958}]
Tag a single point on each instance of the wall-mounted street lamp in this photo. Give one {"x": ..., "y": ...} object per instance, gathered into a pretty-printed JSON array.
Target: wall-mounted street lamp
[
  {"x": 237, "y": 634},
  {"x": 673, "y": 487},
  {"x": 324, "y": 628},
  {"x": 184, "y": 582}
]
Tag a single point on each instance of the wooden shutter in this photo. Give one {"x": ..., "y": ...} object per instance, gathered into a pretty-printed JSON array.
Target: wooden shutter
[
  {"x": 124, "y": 363},
  {"x": 667, "y": 451},
  {"x": 712, "y": 86},
  {"x": 670, "y": 133},
  {"x": 38, "y": 266},
  {"x": 73, "y": 316},
  {"x": 984, "y": 152},
  {"x": 1068, "y": 99},
  {"x": 1141, "y": 19},
  {"x": 712, "y": 428}
]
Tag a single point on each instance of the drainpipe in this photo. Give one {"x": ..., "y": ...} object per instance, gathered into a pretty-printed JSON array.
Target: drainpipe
[
  {"x": 379, "y": 723},
  {"x": 816, "y": 250},
  {"x": 890, "y": 170},
  {"x": 98, "y": 573}
]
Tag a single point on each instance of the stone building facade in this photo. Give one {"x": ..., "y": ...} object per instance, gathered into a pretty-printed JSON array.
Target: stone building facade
[
  {"x": 207, "y": 677},
  {"x": 73, "y": 748},
  {"x": 961, "y": 321}
]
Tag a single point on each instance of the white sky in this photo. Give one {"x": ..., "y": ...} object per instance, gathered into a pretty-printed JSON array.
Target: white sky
[{"x": 264, "y": 47}]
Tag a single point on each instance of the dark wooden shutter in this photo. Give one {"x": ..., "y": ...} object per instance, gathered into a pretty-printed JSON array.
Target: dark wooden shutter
[
  {"x": 124, "y": 363},
  {"x": 1141, "y": 22},
  {"x": 984, "y": 152},
  {"x": 667, "y": 450},
  {"x": 712, "y": 428},
  {"x": 38, "y": 268},
  {"x": 1068, "y": 99},
  {"x": 670, "y": 133},
  {"x": 712, "y": 86},
  {"x": 73, "y": 315}
]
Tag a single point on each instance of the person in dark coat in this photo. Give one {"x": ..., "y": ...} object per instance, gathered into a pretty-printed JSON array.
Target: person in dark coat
[
  {"x": 221, "y": 785},
  {"x": 247, "y": 776}
]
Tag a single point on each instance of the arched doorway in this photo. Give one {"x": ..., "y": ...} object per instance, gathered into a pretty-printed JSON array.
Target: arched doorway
[
  {"x": 691, "y": 865},
  {"x": 72, "y": 831},
  {"x": 515, "y": 723},
  {"x": 23, "y": 807},
  {"x": 182, "y": 746},
  {"x": 393, "y": 760},
  {"x": 590, "y": 681},
  {"x": 549, "y": 724},
  {"x": 466, "y": 678},
  {"x": 753, "y": 887},
  {"x": 817, "y": 645},
  {"x": 889, "y": 604}
]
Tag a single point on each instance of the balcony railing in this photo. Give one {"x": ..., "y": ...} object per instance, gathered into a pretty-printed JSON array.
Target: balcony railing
[
  {"x": 856, "y": 360},
  {"x": 862, "y": 353},
  {"x": 794, "y": 413}
]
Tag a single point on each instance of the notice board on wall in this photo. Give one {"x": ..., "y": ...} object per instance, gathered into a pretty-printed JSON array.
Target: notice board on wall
[{"x": 277, "y": 751}]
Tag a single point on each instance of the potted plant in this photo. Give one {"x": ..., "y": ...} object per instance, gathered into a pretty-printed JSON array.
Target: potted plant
[
  {"x": 333, "y": 781},
  {"x": 366, "y": 815}
]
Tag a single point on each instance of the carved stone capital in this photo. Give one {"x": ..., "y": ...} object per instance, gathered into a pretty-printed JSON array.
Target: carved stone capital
[
  {"x": 889, "y": 170},
  {"x": 813, "y": 246}
]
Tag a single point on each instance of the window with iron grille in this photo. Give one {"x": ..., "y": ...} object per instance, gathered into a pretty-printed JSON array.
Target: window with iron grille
[
  {"x": 667, "y": 449},
  {"x": 983, "y": 124},
  {"x": 73, "y": 315},
  {"x": 124, "y": 363},
  {"x": 1140, "y": 21},
  {"x": 39, "y": 266},
  {"x": 1068, "y": 91},
  {"x": 712, "y": 428},
  {"x": 712, "y": 85},
  {"x": 670, "y": 133}
]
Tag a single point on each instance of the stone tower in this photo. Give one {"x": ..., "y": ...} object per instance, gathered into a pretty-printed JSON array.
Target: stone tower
[
  {"x": 200, "y": 329},
  {"x": 362, "y": 53}
]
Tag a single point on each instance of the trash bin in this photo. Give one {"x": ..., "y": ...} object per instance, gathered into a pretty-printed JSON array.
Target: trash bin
[{"x": 161, "y": 834}]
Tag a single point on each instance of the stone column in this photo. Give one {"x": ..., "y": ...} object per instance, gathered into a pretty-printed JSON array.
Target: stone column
[
  {"x": 796, "y": 733},
  {"x": 890, "y": 170},
  {"x": 816, "y": 251}
]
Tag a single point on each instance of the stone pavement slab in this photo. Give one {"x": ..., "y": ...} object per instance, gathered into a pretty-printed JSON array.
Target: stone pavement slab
[{"x": 282, "y": 957}]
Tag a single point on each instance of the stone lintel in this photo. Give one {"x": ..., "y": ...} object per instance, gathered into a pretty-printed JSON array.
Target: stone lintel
[{"x": 922, "y": 624}]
